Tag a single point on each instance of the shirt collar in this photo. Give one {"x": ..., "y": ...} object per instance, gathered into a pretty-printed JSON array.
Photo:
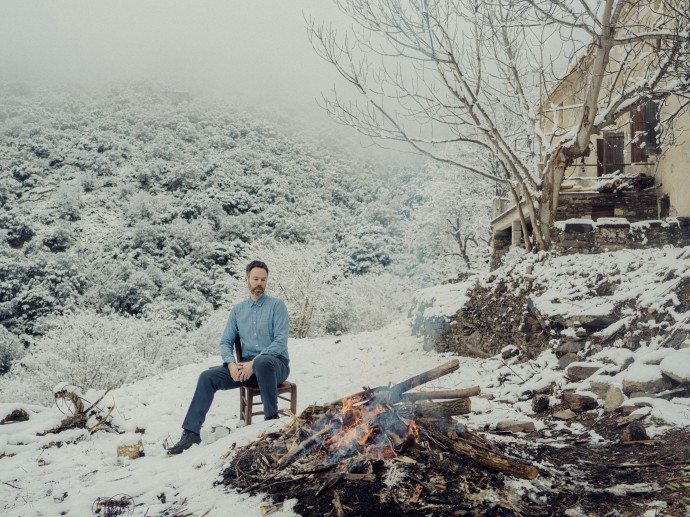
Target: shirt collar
[{"x": 258, "y": 302}]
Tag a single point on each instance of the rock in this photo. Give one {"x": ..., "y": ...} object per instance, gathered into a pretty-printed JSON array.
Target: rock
[
  {"x": 599, "y": 388},
  {"x": 540, "y": 403},
  {"x": 635, "y": 432},
  {"x": 515, "y": 426},
  {"x": 18, "y": 415},
  {"x": 582, "y": 371},
  {"x": 566, "y": 414},
  {"x": 580, "y": 403},
  {"x": 510, "y": 351},
  {"x": 635, "y": 415},
  {"x": 614, "y": 398},
  {"x": 676, "y": 365},
  {"x": 131, "y": 451},
  {"x": 597, "y": 323},
  {"x": 645, "y": 378},
  {"x": 677, "y": 340},
  {"x": 569, "y": 347},
  {"x": 567, "y": 359}
]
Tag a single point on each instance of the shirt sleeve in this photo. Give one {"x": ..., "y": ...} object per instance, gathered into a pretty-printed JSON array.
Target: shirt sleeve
[
  {"x": 278, "y": 346},
  {"x": 227, "y": 341}
]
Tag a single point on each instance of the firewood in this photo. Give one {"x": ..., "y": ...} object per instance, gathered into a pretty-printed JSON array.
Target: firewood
[
  {"x": 304, "y": 445},
  {"x": 445, "y": 394},
  {"x": 397, "y": 390},
  {"x": 436, "y": 409},
  {"x": 485, "y": 457}
]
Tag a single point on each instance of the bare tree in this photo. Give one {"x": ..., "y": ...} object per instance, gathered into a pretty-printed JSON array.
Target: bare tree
[{"x": 461, "y": 81}]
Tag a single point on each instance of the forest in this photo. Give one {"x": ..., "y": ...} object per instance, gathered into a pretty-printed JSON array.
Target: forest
[{"x": 126, "y": 221}]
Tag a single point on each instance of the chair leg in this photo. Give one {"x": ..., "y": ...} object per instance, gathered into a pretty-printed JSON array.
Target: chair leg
[
  {"x": 249, "y": 408},
  {"x": 243, "y": 403},
  {"x": 293, "y": 399}
]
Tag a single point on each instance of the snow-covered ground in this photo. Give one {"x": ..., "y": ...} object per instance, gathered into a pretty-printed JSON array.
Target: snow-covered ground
[{"x": 66, "y": 473}]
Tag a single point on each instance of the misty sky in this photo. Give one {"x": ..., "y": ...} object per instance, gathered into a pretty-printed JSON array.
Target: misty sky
[{"x": 249, "y": 50}]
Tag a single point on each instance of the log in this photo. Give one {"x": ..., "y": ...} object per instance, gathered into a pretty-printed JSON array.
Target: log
[
  {"x": 485, "y": 457},
  {"x": 443, "y": 394},
  {"x": 436, "y": 409},
  {"x": 397, "y": 390}
]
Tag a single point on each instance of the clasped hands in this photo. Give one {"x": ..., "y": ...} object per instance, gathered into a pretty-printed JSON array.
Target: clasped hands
[{"x": 241, "y": 372}]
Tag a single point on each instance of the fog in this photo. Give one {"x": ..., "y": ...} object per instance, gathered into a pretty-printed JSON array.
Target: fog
[{"x": 254, "y": 52}]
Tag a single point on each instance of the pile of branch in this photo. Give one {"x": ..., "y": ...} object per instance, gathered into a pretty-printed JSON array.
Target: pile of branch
[{"x": 382, "y": 450}]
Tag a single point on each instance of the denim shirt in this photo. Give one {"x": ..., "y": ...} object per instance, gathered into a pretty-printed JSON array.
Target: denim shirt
[{"x": 262, "y": 326}]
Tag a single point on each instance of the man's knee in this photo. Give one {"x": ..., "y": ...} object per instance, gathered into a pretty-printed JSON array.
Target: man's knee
[{"x": 264, "y": 363}]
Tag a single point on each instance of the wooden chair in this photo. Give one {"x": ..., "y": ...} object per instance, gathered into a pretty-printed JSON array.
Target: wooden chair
[{"x": 286, "y": 391}]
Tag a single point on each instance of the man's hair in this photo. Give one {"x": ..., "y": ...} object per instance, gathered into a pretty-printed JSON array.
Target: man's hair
[{"x": 256, "y": 263}]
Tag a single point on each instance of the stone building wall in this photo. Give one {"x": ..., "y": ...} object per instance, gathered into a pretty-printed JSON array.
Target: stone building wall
[{"x": 615, "y": 234}]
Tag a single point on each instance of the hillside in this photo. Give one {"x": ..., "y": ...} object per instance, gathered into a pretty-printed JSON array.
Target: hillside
[
  {"x": 126, "y": 221},
  {"x": 586, "y": 464}
]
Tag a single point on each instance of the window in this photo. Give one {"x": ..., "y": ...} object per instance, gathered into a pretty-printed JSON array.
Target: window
[
  {"x": 643, "y": 132},
  {"x": 610, "y": 156}
]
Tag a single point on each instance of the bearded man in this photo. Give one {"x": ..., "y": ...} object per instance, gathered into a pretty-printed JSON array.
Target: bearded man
[{"x": 261, "y": 322}]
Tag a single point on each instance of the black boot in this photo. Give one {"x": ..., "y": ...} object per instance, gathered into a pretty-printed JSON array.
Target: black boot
[{"x": 186, "y": 441}]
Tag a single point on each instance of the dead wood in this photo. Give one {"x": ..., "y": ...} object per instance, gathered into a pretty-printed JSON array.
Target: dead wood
[
  {"x": 397, "y": 390},
  {"x": 485, "y": 457},
  {"x": 304, "y": 445},
  {"x": 436, "y": 409},
  {"x": 443, "y": 394}
]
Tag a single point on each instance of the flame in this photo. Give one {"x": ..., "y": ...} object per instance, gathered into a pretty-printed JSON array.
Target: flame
[{"x": 361, "y": 433}]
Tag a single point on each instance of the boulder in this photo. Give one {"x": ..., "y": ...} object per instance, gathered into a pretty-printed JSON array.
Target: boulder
[
  {"x": 540, "y": 403},
  {"x": 566, "y": 414},
  {"x": 645, "y": 378},
  {"x": 614, "y": 398},
  {"x": 582, "y": 371},
  {"x": 599, "y": 387},
  {"x": 569, "y": 347},
  {"x": 635, "y": 432},
  {"x": 515, "y": 426},
  {"x": 567, "y": 359},
  {"x": 676, "y": 365},
  {"x": 580, "y": 403}
]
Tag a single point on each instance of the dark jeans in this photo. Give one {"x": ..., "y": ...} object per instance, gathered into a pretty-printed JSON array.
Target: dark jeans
[{"x": 269, "y": 372}]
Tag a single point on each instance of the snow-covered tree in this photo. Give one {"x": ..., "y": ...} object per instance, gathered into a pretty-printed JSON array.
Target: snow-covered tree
[{"x": 461, "y": 81}]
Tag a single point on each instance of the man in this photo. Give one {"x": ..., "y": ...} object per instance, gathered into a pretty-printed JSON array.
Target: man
[{"x": 261, "y": 322}]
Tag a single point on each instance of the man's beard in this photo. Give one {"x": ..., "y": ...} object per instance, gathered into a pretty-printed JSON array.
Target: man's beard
[{"x": 257, "y": 291}]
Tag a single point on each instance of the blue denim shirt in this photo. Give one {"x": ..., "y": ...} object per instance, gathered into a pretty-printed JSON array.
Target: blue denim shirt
[{"x": 263, "y": 329}]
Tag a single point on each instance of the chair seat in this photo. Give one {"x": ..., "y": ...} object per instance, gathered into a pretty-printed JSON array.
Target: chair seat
[{"x": 286, "y": 391}]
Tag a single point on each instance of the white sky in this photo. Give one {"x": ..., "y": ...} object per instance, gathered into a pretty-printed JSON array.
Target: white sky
[{"x": 254, "y": 50}]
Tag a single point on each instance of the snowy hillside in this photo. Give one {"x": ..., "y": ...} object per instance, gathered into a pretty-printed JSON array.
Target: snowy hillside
[{"x": 66, "y": 473}]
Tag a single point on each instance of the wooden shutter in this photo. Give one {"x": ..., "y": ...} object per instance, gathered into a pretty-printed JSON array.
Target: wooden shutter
[
  {"x": 637, "y": 135},
  {"x": 651, "y": 120},
  {"x": 613, "y": 153}
]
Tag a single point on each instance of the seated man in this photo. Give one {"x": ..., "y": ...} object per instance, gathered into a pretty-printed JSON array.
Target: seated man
[{"x": 261, "y": 322}]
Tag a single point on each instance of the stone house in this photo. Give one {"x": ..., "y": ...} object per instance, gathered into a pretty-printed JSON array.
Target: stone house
[{"x": 631, "y": 190}]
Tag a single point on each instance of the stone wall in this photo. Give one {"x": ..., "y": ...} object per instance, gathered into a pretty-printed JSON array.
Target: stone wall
[
  {"x": 635, "y": 206},
  {"x": 615, "y": 234}
]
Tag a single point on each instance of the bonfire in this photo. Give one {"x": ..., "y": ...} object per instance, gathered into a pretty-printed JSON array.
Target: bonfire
[{"x": 381, "y": 451}]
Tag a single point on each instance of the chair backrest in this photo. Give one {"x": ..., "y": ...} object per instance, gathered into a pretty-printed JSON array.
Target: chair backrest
[{"x": 238, "y": 348}]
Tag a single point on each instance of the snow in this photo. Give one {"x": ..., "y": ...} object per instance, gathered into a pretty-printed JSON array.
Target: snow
[
  {"x": 67, "y": 472},
  {"x": 677, "y": 363}
]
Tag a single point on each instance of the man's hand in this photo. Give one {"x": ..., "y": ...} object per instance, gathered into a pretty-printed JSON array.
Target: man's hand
[
  {"x": 245, "y": 371},
  {"x": 234, "y": 369}
]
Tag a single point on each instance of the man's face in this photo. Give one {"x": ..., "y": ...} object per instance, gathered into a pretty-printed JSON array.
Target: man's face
[{"x": 256, "y": 282}]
